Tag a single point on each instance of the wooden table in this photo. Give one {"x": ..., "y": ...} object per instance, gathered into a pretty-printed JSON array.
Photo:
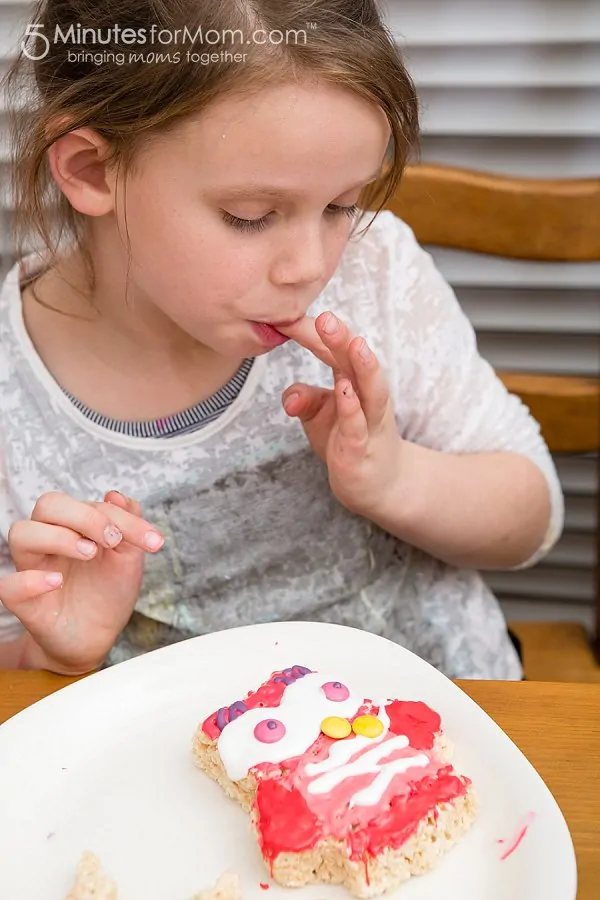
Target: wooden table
[{"x": 569, "y": 763}]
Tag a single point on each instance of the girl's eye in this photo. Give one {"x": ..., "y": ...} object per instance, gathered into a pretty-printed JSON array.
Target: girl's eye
[
  {"x": 259, "y": 224},
  {"x": 349, "y": 211},
  {"x": 245, "y": 224}
]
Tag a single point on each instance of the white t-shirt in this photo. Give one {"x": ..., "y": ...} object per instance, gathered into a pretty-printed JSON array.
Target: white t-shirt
[{"x": 253, "y": 533}]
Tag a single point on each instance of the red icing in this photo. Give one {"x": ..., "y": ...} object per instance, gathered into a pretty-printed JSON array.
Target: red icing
[
  {"x": 268, "y": 694},
  {"x": 394, "y": 826},
  {"x": 263, "y": 886},
  {"x": 284, "y": 819},
  {"x": 521, "y": 832},
  {"x": 416, "y": 720}
]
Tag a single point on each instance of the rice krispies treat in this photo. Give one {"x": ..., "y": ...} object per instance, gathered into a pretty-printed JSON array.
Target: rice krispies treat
[
  {"x": 90, "y": 881},
  {"x": 92, "y": 884},
  {"x": 365, "y": 807}
]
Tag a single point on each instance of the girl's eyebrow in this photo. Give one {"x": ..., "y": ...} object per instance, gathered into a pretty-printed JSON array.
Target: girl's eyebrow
[{"x": 266, "y": 190}]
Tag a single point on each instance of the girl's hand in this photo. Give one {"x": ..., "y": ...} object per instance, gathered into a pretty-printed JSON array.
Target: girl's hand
[
  {"x": 79, "y": 572},
  {"x": 351, "y": 427}
]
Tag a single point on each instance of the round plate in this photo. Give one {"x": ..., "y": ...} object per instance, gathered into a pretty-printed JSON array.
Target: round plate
[{"x": 105, "y": 765}]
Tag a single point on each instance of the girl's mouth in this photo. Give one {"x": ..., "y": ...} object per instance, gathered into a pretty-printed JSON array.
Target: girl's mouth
[{"x": 268, "y": 334}]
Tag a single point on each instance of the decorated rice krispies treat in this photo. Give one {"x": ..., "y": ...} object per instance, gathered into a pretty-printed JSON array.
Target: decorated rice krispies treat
[{"x": 341, "y": 789}]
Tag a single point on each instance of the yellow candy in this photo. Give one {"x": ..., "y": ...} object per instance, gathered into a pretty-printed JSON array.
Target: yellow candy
[
  {"x": 367, "y": 726},
  {"x": 336, "y": 727}
]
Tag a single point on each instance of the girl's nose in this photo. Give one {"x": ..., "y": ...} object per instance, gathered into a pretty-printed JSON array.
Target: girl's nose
[{"x": 302, "y": 260}]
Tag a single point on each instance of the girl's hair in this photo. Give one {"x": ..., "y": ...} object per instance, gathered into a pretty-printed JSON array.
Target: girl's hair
[{"x": 342, "y": 42}]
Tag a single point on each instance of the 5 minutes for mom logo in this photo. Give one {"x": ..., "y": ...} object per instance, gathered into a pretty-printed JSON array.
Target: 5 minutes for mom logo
[{"x": 36, "y": 44}]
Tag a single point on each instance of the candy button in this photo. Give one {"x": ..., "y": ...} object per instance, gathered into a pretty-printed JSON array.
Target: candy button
[
  {"x": 336, "y": 691},
  {"x": 336, "y": 727},
  {"x": 367, "y": 726},
  {"x": 269, "y": 731}
]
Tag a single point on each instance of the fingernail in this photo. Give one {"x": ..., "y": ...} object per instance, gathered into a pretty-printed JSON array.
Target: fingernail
[
  {"x": 112, "y": 535},
  {"x": 88, "y": 548},
  {"x": 365, "y": 350},
  {"x": 331, "y": 324},
  {"x": 290, "y": 399},
  {"x": 153, "y": 540},
  {"x": 54, "y": 579}
]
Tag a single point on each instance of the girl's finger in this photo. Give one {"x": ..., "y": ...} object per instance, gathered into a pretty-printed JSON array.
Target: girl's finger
[
  {"x": 116, "y": 498},
  {"x": 370, "y": 381},
  {"x": 304, "y": 333},
  {"x": 353, "y": 432},
  {"x": 305, "y": 401},
  {"x": 336, "y": 337},
  {"x": 29, "y": 538},
  {"x": 19, "y": 587},
  {"x": 127, "y": 503},
  {"x": 104, "y": 523}
]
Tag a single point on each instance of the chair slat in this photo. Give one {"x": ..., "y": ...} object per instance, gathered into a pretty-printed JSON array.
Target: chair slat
[
  {"x": 567, "y": 408},
  {"x": 557, "y": 220}
]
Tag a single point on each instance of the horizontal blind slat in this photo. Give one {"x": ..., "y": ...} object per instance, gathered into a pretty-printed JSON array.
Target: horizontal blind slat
[{"x": 434, "y": 23}]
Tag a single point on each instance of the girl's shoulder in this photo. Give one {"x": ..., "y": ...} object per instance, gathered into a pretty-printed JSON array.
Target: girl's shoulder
[
  {"x": 381, "y": 241},
  {"x": 377, "y": 275},
  {"x": 17, "y": 276}
]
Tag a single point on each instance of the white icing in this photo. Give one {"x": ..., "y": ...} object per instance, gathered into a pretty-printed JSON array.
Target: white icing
[
  {"x": 342, "y": 751},
  {"x": 336, "y": 767},
  {"x": 372, "y": 794},
  {"x": 367, "y": 762},
  {"x": 302, "y": 708}
]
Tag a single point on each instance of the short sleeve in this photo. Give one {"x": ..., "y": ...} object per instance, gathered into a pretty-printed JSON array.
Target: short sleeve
[{"x": 446, "y": 395}]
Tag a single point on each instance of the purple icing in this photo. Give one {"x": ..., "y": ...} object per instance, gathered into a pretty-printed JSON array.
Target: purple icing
[
  {"x": 228, "y": 714},
  {"x": 222, "y": 718},
  {"x": 291, "y": 674},
  {"x": 299, "y": 671},
  {"x": 237, "y": 709}
]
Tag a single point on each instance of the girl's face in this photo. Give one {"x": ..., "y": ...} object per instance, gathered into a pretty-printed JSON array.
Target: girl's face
[{"x": 241, "y": 216}]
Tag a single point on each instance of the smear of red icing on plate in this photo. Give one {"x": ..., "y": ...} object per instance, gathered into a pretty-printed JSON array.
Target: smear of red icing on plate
[
  {"x": 520, "y": 833},
  {"x": 265, "y": 887}
]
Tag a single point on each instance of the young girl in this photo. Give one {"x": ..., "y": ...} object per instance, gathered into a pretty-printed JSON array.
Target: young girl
[{"x": 225, "y": 401}]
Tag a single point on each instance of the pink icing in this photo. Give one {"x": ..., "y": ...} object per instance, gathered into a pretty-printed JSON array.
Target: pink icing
[
  {"x": 336, "y": 691},
  {"x": 269, "y": 731}
]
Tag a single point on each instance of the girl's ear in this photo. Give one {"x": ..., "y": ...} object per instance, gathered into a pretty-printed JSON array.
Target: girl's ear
[{"x": 78, "y": 162}]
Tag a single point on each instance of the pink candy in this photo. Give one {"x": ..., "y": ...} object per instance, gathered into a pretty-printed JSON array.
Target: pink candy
[
  {"x": 269, "y": 731},
  {"x": 336, "y": 691}
]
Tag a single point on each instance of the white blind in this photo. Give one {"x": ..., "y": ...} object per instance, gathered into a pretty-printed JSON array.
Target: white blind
[
  {"x": 511, "y": 87},
  {"x": 514, "y": 88}
]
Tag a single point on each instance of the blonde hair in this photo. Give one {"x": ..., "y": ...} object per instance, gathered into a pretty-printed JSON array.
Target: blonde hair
[{"x": 349, "y": 46}]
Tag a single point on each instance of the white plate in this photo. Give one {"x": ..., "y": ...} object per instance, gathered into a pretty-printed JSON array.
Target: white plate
[{"x": 105, "y": 765}]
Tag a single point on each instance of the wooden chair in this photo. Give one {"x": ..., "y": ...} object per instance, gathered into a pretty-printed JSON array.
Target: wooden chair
[{"x": 552, "y": 220}]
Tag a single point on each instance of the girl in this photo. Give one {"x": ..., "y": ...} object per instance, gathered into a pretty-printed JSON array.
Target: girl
[{"x": 223, "y": 402}]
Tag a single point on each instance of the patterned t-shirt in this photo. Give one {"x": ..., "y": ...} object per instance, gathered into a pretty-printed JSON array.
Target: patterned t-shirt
[{"x": 253, "y": 533}]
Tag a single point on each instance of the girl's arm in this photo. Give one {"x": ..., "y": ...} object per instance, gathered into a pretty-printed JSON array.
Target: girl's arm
[
  {"x": 479, "y": 487},
  {"x": 472, "y": 510},
  {"x": 421, "y": 436}
]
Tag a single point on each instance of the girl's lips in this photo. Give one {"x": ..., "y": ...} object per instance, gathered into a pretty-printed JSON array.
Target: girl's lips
[{"x": 268, "y": 334}]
